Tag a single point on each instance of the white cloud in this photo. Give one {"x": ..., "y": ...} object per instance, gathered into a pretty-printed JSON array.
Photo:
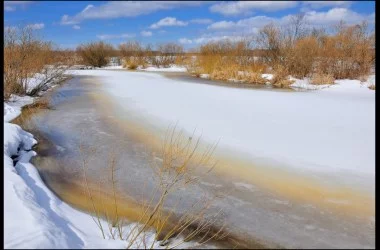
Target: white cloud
[
  {"x": 201, "y": 21},
  {"x": 247, "y": 25},
  {"x": 205, "y": 39},
  {"x": 118, "y": 9},
  {"x": 337, "y": 14},
  {"x": 13, "y": 5},
  {"x": 76, "y": 27},
  {"x": 246, "y": 7},
  {"x": 108, "y": 37},
  {"x": 146, "y": 33},
  {"x": 185, "y": 41},
  {"x": 168, "y": 21},
  {"x": 327, "y": 18},
  {"x": 9, "y": 8},
  {"x": 307, "y": 5},
  {"x": 36, "y": 26}
]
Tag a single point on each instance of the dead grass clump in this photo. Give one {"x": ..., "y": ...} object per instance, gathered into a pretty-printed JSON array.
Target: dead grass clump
[
  {"x": 281, "y": 77},
  {"x": 320, "y": 79},
  {"x": 372, "y": 87},
  {"x": 40, "y": 103},
  {"x": 25, "y": 118},
  {"x": 256, "y": 78},
  {"x": 131, "y": 63}
]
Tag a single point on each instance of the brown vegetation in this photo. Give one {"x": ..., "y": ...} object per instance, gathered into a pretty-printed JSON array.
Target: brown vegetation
[
  {"x": 25, "y": 55},
  {"x": 95, "y": 54},
  {"x": 319, "y": 79},
  {"x": 292, "y": 49}
]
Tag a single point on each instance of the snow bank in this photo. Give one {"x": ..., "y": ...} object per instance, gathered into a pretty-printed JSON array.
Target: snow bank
[
  {"x": 331, "y": 130},
  {"x": 305, "y": 84},
  {"x": 12, "y": 108},
  {"x": 173, "y": 68},
  {"x": 113, "y": 67},
  {"x": 33, "y": 216},
  {"x": 204, "y": 76}
]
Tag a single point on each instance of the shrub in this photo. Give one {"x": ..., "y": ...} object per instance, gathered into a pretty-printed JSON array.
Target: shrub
[
  {"x": 95, "y": 54},
  {"x": 26, "y": 56},
  {"x": 256, "y": 78},
  {"x": 133, "y": 54},
  {"x": 348, "y": 53},
  {"x": 300, "y": 58}
]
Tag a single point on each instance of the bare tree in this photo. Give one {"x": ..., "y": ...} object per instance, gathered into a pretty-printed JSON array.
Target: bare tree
[{"x": 168, "y": 52}]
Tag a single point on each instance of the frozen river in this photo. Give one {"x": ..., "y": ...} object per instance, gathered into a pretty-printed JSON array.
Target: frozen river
[{"x": 296, "y": 168}]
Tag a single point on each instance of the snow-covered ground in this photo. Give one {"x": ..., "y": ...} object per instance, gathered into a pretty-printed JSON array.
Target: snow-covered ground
[
  {"x": 173, "y": 68},
  {"x": 331, "y": 130}
]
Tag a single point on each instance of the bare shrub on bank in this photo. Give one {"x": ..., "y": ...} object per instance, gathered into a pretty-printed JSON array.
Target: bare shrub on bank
[
  {"x": 133, "y": 54},
  {"x": 347, "y": 54},
  {"x": 269, "y": 39},
  {"x": 168, "y": 54},
  {"x": 30, "y": 63},
  {"x": 95, "y": 54}
]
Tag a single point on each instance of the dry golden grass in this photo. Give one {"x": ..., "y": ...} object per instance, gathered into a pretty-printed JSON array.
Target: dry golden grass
[
  {"x": 256, "y": 78},
  {"x": 28, "y": 111},
  {"x": 372, "y": 87},
  {"x": 320, "y": 79},
  {"x": 130, "y": 64},
  {"x": 176, "y": 170},
  {"x": 281, "y": 77}
]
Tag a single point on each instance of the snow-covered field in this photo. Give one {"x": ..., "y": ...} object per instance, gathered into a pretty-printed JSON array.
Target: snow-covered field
[{"x": 329, "y": 131}]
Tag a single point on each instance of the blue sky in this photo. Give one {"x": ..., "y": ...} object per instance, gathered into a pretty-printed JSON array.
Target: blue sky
[{"x": 69, "y": 23}]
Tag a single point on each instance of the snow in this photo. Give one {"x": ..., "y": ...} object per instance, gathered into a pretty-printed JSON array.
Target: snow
[
  {"x": 204, "y": 76},
  {"x": 50, "y": 76},
  {"x": 267, "y": 76},
  {"x": 172, "y": 68},
  {"x": 113, "y": 67},
  {"x": 331, "y": 130},
  {"x": 305, "y": 84},
  {"x": 12, "y": 109}
]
